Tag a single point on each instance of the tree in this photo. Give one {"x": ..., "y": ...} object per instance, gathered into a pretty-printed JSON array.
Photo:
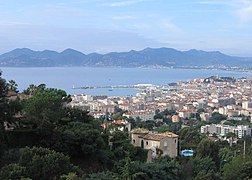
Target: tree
[
  {"x": 119, "y": 138},
  {"x": 158, "y": 116},
  {"x": 76, "y": 115},
  {"x": 200, "y": 110},
  {"x": 225, "y": 155},
  {"x": 208, "y": 148},
  {"x": 45, "y": 108},
  {"x": 167, "y": 112},
  {"x": 204, "y": 163},
  {"x": 12, "y": 86},
  {"x": 33, "y": 89},
  {"x": 246, "y": 171},
  {"x": 163, "y": 128},
  {"x": 42, "y": 163},
  {"x": 148, "y": 125},
  {"x": 237, "y": 169},
  {"x": 30, "y": 90},
  {"x": 39, "y": 163},
  {"x": 162, "y": 169},
  {"x": 3, "y": 100},
  {"x": 174, "y": 127},
  {"x": 189, "y": 138},
  {"x": 70, "y": 176},
  {"x": 13, "y": 171},
  {"x": 231, "y": 135},
  {"x": 81, "y": 139},
  {"x": 4, "y": 115},
  {"x": 207, "y": 175},
  {"x": 217, "y": 118},
  {"x": 105, "y": 175},
  {"x": 125, "y": 172}
]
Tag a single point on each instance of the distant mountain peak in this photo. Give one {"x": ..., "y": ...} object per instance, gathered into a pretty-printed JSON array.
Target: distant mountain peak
[
  {"x": 71, "y": 51},
  {"x": 24, "y": 50},
  {"x": 163, "y": 56},
  {"x": 193, "y": 50}
]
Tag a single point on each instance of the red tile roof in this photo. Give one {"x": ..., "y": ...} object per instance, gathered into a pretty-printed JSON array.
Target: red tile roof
[{"x": 140, "y": 131}]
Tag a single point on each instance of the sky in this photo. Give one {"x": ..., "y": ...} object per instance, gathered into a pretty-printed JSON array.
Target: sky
[{"x": 121, "y": 25}]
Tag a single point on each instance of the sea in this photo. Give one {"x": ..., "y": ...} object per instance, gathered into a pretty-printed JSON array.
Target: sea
[{"x": 66, "y": 78}]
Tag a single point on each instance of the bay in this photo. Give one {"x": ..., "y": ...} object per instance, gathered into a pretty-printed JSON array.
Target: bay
[{"x": 67, "y": 77}]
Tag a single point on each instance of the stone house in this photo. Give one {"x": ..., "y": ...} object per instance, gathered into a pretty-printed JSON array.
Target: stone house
[{"x": 164, "y": 143}]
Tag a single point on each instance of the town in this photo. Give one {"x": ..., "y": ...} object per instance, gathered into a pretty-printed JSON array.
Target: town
[
  {"x": 197, "y": 99},
  {"x": 199, "y": 123}
]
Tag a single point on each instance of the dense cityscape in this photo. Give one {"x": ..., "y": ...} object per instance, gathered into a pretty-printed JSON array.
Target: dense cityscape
[{"x": 197, "y": 99}]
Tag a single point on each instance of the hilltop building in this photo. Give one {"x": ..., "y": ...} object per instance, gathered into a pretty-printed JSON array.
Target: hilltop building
[{"x": 160, "y": 144}]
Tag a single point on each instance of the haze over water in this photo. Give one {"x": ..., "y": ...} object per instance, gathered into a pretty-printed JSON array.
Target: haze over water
[{"x": 67, "y": 77}]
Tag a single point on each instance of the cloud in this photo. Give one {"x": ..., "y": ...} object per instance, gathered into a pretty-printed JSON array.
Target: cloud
[
  {"x": 123, "y": 17},
  {"x": 215, "y": 2},
  {"x": 124, "y": 3},
  {"x": 13, "y": 23},
  {"x": 245, "y": 13},
  {"x": 240, "y": 8},
  {"x": 171, "y": 27}
]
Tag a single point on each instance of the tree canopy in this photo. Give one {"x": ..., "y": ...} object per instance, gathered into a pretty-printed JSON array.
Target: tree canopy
[{"x": 38, "y": 163}]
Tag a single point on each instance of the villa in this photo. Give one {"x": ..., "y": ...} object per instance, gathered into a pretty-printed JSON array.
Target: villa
[{"x": 160, "y": 144}]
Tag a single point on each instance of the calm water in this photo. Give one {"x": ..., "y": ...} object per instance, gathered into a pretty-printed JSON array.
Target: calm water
[{"x": 65, "y": 78}]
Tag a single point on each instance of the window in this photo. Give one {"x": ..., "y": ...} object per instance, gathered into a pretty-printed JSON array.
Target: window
[
  {"x": 165, "y": 143},
  {"x": 147, "y": 143},
  {"x": 134, "y": 141},
  {"x": 175, "y": 140}
]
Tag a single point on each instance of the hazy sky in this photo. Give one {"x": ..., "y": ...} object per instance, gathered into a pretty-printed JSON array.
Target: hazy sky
[{"x": 122, "y": 25}]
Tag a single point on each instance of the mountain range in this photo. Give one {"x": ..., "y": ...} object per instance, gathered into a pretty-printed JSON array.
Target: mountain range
[{"x": 159, "y": 57}]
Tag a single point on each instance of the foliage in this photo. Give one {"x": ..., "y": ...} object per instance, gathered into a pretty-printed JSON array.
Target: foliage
[
  {"x": 3, "y": 112},
  {"x": 229, "y": 122},
  {"x": 162, "y": 169},
  {"x": 208, "y": 148},
  {"x": 125, "y": 172},
  {"x": 45, "y": 107},
  {"x": 14, "y": 106},
  {"x": 122, "y": 148},
  {"x": 70, "y": 176},
  {"x": 79, "y": 139},
  {"x": 172, "y": 127},
  {"x": 239, "y": 168},
  {"x": 105, "y": 175},
  {"x": 13, "y": 171},
  {"x": 189, "y": 138},
  {"x": 119, "y": 138},
  {"x": 225, "y": 156},
  {"x": 33, "y": 89},
  {"x": 12, "y": 86},
  {"x": 217, "y": 118},
  {"x": 138, "y": 123},
  {"x": 3, "y": 87},
  {"x": 199, "y": 164},
  {"x": 75, "y": 115},
  {"x": 3, "y": 100},
  {"x": 207, "y": 175},
  {"x": 164, "y": 114},
  {"x": 163, "y": 128},
  {"x": 39, "y": 163}
]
